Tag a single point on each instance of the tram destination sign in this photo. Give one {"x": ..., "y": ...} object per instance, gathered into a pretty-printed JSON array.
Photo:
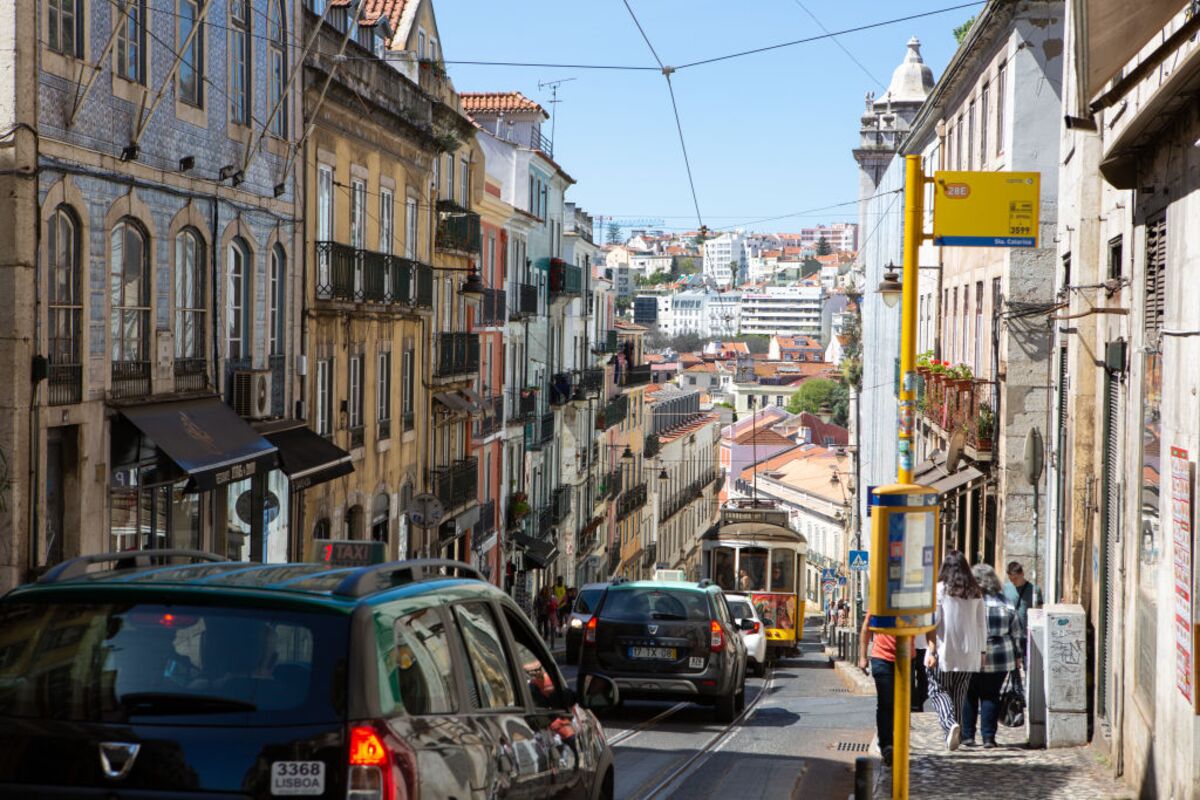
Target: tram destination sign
[
  {"x": 762, "y": 516},
  {"x": 986, "y": 209}
]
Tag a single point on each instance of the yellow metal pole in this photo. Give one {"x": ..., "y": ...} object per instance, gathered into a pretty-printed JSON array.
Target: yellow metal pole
[{"x": 914, "y": 221}]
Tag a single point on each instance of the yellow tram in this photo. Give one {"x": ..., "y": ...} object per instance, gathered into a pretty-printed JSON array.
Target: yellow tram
[{"x": 754, "y": 551}]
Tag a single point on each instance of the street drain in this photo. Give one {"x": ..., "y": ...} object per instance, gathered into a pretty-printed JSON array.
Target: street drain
[
  {"x": 839, "y": 691},
  {"x": 853, "y": 747}
]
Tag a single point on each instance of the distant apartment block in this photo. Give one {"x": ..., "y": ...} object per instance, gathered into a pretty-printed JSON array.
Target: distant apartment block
[
  {"x": 782, "y": 310},
  {"x": 725, "y": 259}
]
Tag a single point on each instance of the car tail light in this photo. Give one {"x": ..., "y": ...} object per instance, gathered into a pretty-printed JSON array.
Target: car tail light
[
  {"x": 756, "y": 628},
  {"x": 374, "y": 767},
  {"x": 589, "y": 632},
  {"x": 717, "y": 642}
]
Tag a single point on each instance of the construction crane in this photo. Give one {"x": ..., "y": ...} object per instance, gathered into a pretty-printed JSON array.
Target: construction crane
[{"x": 604, "y": 222}]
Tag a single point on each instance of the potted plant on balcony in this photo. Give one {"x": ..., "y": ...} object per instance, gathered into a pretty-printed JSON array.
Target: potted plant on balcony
[
  {"x": 960, "y": 377},
  {"x": 519, "y": 507},
  {"x": 925, "y": 363},
  {"x": 985, "y": 425}
]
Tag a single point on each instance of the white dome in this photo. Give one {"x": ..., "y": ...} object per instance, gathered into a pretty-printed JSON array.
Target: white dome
[{"x": 913, "y": 79}]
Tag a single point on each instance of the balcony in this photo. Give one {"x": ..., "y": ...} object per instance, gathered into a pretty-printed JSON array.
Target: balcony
[
  {"x": 191, "y": 374},
  {"x": 614, "y": 561},
  {"x": 565, "y": 279},
  {"x": 457, "y": 484},
  {"x": 539, "y": 431},
  {"x": 543, "y": 524},
  {"x": 610, "y": 344},
  {"x": 539, "y": 142},
  {"x": 457, "y": 354},
  {"x": 458, "y": 229},
  {"x": 351, "y": 275},
  {"x": 651, "y": 446},
  {"x": 650, "y": 555},
  {"x": 66, "y": 384},
  {"x": 493, "y": 308},
  {"x": 522, "y": 404},
  {"x": 487, "y": 517},
  {"x": 493, "y": 416},
  {"x": 610, "y": 487},
  {"x": 527, "y": 299},
  {"x": 560, "y": 503},
  {"x": 357, "y": 436},
  {"x": 130, "y": 379},
  {"x": 637, "y": 375},
  {"x": 631, "y": 501},
  {"x": 966, "y": 405},
  {"x": 592, "y": 380},
  {"x": 560, "y": 388},
  {"x": 614, "y": 414}
]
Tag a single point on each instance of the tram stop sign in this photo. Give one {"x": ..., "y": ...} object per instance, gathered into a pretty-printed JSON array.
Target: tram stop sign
[
  {"x": 986, "y": 209},
  {"x": 906, "y": 540}
]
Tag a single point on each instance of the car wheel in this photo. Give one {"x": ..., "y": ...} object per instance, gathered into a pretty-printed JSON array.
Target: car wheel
[{"x": 726, "y": 707}]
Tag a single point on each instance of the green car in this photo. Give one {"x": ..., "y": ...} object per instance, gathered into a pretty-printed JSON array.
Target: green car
[{"x": 215, "y": 679}]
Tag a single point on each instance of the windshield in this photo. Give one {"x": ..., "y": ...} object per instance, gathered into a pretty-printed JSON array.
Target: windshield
[
  {"x": 752, "y": 569},
  {"x": 116, "y": 661},
  {"x": 586, "y": 602},
  {"x": 641, "y": 604},
  {"x": 740, "y": 609}
]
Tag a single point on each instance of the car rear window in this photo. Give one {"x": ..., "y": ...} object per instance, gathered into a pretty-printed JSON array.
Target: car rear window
[
  {"x": 640, "y": 603},
  {"x": 586, "y": 602},
  {"x": 740, "y": 609},
  {"x": 201, "y": 664}
]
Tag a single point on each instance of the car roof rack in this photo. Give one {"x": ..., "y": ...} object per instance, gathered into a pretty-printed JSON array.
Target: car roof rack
[
  {"x": 379, "y": 577},
  {"x": 75, "y": 567},
  {"x": 704, "y": 583},
  {"x": 617, "y": 581}
]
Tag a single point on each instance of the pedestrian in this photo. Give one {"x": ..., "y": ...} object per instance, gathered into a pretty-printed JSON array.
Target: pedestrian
[
  {"x": 957, "y": 643},
  {"x": 877, "y": 657},
  {"x": 541, "y": 610},
  {"x": 560, "y": 591},
  {"x": 1020, "y": 593},
  {"x": 552, "y": 616},
  {"x": 1005, "y": 636}
]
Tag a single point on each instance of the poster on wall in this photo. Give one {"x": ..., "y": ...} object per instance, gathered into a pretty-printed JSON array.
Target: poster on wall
[{"x": 1181, "y": 534}]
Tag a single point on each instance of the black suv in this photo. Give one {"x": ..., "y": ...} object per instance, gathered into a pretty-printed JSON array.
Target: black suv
[
  {"x": 220, "y": 680},
  {"x": 667, "y": 640}
]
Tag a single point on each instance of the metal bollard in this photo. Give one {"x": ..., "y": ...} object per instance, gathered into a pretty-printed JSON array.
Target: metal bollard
[{"x": 864, "y": 777}]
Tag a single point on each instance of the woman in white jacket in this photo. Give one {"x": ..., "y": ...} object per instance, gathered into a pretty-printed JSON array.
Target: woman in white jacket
[{"x": 957, "y": 645}]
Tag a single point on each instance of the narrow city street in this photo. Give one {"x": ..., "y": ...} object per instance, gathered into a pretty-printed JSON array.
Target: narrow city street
[{"x": 802, "y": 729}]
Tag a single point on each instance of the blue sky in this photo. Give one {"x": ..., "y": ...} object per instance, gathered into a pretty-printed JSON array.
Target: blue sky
[{"x": 768, "y": 134}]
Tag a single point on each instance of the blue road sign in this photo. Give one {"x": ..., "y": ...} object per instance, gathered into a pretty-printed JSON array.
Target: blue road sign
[
  {"x": 859, "y": 560},
  {"x": 829, "y": 574}
]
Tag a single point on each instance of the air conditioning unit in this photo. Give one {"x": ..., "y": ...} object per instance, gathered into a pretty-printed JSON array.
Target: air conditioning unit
[{"x": 252, "y": 393}]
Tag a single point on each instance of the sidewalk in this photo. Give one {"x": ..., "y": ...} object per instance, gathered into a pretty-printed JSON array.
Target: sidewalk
[{"x": 1010, "y": 772}]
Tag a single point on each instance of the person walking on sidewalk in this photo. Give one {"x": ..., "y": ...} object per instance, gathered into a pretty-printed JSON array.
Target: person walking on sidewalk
[
  {"x": 957, "y": 644},
  {"x": 1005, "y": 636},
  {"x": 881, "y": 666},
  {"x": 1020, "y": 593}
]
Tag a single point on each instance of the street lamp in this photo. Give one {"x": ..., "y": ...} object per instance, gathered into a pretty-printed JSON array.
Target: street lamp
[
  {"x": 627, "y": 456},
  {"x": 472, "y": 288},
  {"x": 890, "y": 287}
]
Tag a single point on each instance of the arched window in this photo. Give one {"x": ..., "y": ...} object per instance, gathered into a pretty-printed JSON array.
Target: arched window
[
  {"x": 354, "y": 523},
  {"x": 238, "y": 305},
  {"x": 276, "y": 302},
  {"x": 277, "y": 66},
  {"x": 65, "y": 307},
  {"x": 129, "y": 290},
  {"x": 321, "y": 529},
  {"x": 380, "y": 518},
  {"x": 240, "y": 92},
  {"x": 190, "y": 294}
]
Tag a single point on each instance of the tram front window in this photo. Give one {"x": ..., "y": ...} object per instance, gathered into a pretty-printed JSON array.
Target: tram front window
[
  {"x": 783, "y": 579},
  {"x": 723, "y": 568},
  {"x": 752, "y": 569}
]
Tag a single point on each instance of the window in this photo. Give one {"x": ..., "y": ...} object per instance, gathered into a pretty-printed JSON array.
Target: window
[
  {"x": 1116, "y": 253},
  {"x": 465, "y": 179},
  {"x": 971, "y": 135},
  {"x": 383, "y": 387},
  {"x": 191, "y": 46},
  {"x": 410, "y": 228},
  {"x": 491, "y": 684},
  {"x": 66, "y": 293},
  {"x": 277, "y": 68},
  {"x": 358, "y": 215},
  {"x": 356, "y": 398},
  {"x": 380, "y": 516},
  {"x": 277, "y": 303},
  {"x": 450, "y": 176},
  {"x": 240, "y": 93},
  {"x": 238, "y": 301},
  {"x": 65, "y": 34},
  {"x": 536, "y": 664},
  {"x": 131, "y": 43},
  {"x": 190, "y": 305},
  {"x": 420, "y": 44},
  {"x": 129, "y": 291},
  {"x": 984, "y": 101},
  {"x": 1000, "y": 87},
  {"x": 407, "y": 388},
  {"x": 978, "y": 327},
  {"x": 324, "y": 225},
  {"x": 321, "y": 529},
  {"x": 387, "y": 214},
  {"x": 323, "y": 412},
  {"x": 421, "y": 678},
  {"x": 958, "y": 143}
]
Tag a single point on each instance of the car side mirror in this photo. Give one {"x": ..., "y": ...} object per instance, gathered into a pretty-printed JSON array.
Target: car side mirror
[
  {"x": 599, "y": 691},
  {"x": 746, "y": 624}
]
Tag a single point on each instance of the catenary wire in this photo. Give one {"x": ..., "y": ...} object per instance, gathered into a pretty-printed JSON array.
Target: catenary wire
[{"x": 841, "y": 46}]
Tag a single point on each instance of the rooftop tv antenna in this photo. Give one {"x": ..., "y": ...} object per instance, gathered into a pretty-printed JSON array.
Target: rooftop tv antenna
[{"x": 553, "y": 101}]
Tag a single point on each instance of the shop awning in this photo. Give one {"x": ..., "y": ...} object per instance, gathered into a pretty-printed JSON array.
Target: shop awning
[
  {"x": 205, "y": 439},
  {"x": 538, "y": 553},
  {"x": 474, "y": 399},
  {"x": 307, "y": 458},
  {"x": 932, "y": 473},
  {"x": 454, "y": 401}
]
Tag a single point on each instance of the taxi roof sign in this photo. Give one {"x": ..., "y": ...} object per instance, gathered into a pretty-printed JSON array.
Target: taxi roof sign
[{"x": 986, "y": 209}]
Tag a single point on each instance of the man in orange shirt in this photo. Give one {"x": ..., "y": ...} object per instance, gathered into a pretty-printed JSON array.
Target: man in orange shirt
[{"x": 877, "y": 657}]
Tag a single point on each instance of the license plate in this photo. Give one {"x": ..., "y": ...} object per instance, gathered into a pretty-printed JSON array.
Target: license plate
[
  {"x": 298, "y": 778},
  {"x": 696, "y": 662},
  {"x": 652, "y": 652}
]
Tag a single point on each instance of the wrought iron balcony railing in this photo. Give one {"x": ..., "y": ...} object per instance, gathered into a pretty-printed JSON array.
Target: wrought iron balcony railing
[
  {"x": 527, "y": 299},
  {"x": 458, "y": 483},
  {"x": 631, "y": 500},
  {"x": 592, "y": 380},
  {"x": 522, "y": 404},
  {"x": 457, "y": 354},
  {"x": 565, "y": 279},
  {"x": 637, "y": 375},
  {"x": 492, "y": 419},
  {"x": 487, "y": 517},
  {"x": 560, "y": 503},
  {"x": 458, "y": 229},
  {"x": 610, "y": 487},
  {"x": 609, "y": 344},
  {"x": 191, "y": 374},
  {"x": 561, "y": 388},
  {"x": 130, "y": 378},
  {"x": 66, "y": 384},
  {"x": 493, "y": 307},
  {"x": 352, "y": 275},
  {"x": 966, "y": 405},
  {"x": 615, "y": 411},
  {"x": 652, "y": 446}
]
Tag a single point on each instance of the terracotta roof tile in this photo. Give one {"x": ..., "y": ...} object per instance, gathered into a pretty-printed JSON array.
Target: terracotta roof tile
[{"x": 492, "y": 102}]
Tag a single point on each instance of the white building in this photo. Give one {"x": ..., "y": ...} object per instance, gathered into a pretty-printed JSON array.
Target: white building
[
  {"x": 725, "y": 259},
  {"x": 646, "y": 264},
  {"x": 707, "y": 313},
  {"x": 841, "y": 236},
  {"x": 784, "y": 310}
]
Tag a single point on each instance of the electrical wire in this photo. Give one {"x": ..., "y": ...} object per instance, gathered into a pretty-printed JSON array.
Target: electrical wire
[{"x": 841, "y": 46}]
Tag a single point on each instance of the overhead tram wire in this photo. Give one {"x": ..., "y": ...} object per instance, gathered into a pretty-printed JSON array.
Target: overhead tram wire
[{"x": 841, "y": 46}]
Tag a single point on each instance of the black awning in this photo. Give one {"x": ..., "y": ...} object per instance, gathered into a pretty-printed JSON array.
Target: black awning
[
  {"x": 453, "y": 401},
  {"x": 308, "y": 458},
  {"x": 538, "y": 554},
  {"x": 205, "y": 439}
]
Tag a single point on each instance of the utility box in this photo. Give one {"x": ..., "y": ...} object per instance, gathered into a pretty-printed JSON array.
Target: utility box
[
  {"x": 1035, "y": 679},
  {"x": 1064, "y": 653}
]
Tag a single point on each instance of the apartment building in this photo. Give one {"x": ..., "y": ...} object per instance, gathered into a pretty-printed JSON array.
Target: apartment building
[
  {"x": 783, "y": 310},
  {"x": 725, "y": 259}
]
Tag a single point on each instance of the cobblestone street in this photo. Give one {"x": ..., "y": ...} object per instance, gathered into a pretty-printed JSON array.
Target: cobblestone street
[{"x": 1010, "y": 772}]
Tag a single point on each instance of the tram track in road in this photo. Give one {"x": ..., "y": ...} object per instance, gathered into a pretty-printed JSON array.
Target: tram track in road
[
  {"x": 642, "y": 727},
  {"x": 659, "y": 783}
]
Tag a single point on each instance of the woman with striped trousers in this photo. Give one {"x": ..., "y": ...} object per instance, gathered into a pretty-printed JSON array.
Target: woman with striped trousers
[{"x": 957, "y": 644}]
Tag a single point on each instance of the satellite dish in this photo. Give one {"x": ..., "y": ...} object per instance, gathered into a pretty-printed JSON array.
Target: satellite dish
[{"x": 954, "y": 451}]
